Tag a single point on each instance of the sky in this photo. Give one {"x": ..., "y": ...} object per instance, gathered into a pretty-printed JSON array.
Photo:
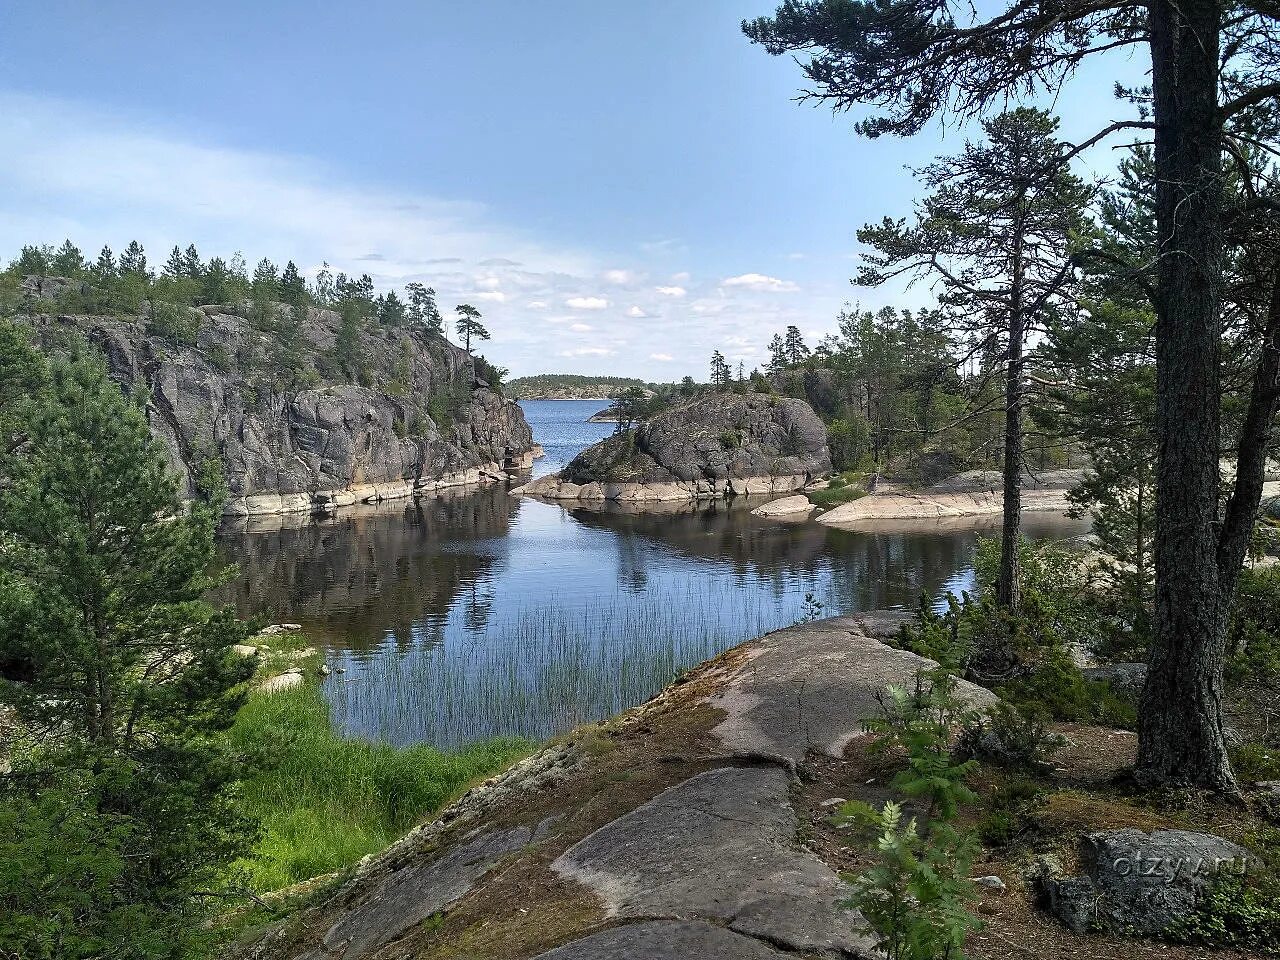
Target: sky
[{"x": 619, "y": 187}]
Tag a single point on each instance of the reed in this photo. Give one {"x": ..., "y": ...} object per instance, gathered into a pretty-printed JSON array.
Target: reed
[{"x": 538, "y": 672}]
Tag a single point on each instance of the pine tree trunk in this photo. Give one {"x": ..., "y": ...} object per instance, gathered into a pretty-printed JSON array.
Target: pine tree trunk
[
  {"x": 1008, "y": 592},
  {"x": 1180, "y": 739},
  {"x": 1008, "y": 584}
]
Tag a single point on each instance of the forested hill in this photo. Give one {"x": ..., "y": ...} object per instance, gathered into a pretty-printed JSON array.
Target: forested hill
[
  {"x": 569, "y": 386},
  {"x": 294, "y": 396}
]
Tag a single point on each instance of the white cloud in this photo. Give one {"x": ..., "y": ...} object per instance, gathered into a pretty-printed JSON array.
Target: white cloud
[
  {"x": 758, "y": 281},
  {"x": 795, "y": 256},
  {"x": 581, "y": 327},
  {"x": 99, "y": 176}
]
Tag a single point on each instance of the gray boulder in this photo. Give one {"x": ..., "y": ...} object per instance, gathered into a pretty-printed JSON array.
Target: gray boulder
[
  {"x": 1140, "y": 883},
  {"x": 713, "y": 438},
  {"x": 1126, "y": 679}
]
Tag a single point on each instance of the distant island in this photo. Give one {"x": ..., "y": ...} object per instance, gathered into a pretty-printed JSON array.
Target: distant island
[{"x": 570, "y": 386}]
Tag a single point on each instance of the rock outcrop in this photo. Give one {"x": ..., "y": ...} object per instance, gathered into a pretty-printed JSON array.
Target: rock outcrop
[
  {"x": 278, "y": 416},
  {"x": 717, "y": 445},
  {"x": 1141, "y": 883},
  {"x": 675, "y": 830},
  {"x": 977, "y": 493}
]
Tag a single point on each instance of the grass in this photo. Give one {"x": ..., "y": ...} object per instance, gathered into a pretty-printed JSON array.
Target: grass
[
  {"x": 325, "y": 800},
  {"x": 834, "y": 496}
]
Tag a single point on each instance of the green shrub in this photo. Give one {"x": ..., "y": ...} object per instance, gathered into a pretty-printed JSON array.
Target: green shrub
[
  {"x": 1012, "y": 736},
  {"x": 1240, "y": 912},
  {"x": 1255, "y": 762},
  {"x": 833, "y": 495},
  {"x": 220, "y": 358},
  {"x": 1011, "y": 808},
  {"x": 921, "y": 722},
  {"x": 916, "y": 896},
  {"x": 173, "y": 322}
]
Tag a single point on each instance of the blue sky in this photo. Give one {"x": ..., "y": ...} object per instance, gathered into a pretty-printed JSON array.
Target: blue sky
[{"x": 619, "y": 187}]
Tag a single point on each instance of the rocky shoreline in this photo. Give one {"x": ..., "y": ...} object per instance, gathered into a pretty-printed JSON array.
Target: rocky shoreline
[
  {"x": 327, "y": 501},
  {"x": 975, "y": 494},
  {"x": 699, "y": 824},
  {"x": 553, "y": 488},
  {"x": 300, "y": 428}
]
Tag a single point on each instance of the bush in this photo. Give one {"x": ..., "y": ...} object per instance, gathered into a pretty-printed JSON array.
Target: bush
[
  {"x": 835, "y": 495},
  {"x": 175, "y": 323},
  {"x": 916, "y": 896},
  {"x": 1241, "y": 912},
  {"x": 1011, "y": 809},
  {"x": 921, "y": 722},
  {"x": 1012, "y": 736}
]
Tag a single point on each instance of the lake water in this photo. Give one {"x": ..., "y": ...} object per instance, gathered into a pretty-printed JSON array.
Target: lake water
[{"x": 478, "y": 614}]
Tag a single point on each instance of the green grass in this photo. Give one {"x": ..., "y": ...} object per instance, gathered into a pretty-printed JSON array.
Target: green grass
[
  {"x": 325, "y": 800},
  {"x": 835, "y": 495}
]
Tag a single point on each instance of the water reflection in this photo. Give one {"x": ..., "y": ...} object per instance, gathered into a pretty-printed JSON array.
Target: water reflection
[{"x": 477, "y": 613}]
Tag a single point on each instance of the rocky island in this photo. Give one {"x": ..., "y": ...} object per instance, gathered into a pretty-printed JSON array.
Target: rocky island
[
  {"x": 712, "y": 446},
  {"x": 278, "y": 422}
]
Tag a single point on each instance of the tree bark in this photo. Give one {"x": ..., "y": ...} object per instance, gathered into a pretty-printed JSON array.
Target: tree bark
[
  {"x": 1251, "y": 453},
  {"x": 1008, "y": 584},
  {"x": 1180, "y": 738}
]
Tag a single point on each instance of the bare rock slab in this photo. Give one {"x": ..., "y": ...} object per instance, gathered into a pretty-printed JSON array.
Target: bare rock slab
[
  {"x": 810, "y": 687},
  {"x": 789, "y": 507},
  {"x": 720, "y": 846},
  {"x": 413, "y": 893},
  {"x": 665, "y": 940},
  {"x": 1141, "y": 883}
]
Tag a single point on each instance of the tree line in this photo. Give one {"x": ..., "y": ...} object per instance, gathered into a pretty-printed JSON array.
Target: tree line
[{"x": 122, "y": 284}]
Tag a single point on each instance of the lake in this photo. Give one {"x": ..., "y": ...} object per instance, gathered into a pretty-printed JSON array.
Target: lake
[{"x": 477, "y": 614}]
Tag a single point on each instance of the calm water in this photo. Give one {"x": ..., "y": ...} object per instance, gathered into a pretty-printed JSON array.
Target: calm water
[{"x": 477, "y": 613}]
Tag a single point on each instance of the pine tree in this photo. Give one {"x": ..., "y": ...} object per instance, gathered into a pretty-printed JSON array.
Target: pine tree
[
  {"x": 1210, "y": 93},
  {"x": 118, "y": 816},
  {"x": 423, "y": 311},
  {"x": 104, "y": 268},
  {"x": 468, "y": 325},
  {"x": 68, "y": 261},
  {"x": 293, "y": 288},
  {"x": 175, "y": 268},
  {"x": 191, "y": 262},
  {"x": 777, "y": 354},
  {"x": 391, "y": 310},
  {"x": 134, "y": 260},
  {"x": 996, "y": 232},
  {"x": 215, "y": 283},
  {"x": 266, "y": 281},
  {"x": 720, "y": 372},
  {"x": 33, "y": 261},
  {"x": 794, "y": 348}
]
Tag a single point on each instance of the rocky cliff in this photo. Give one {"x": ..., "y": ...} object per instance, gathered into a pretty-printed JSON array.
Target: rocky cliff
[
  {"x": 718, "y": 444},
  {"x": 268, "y": 407}
]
